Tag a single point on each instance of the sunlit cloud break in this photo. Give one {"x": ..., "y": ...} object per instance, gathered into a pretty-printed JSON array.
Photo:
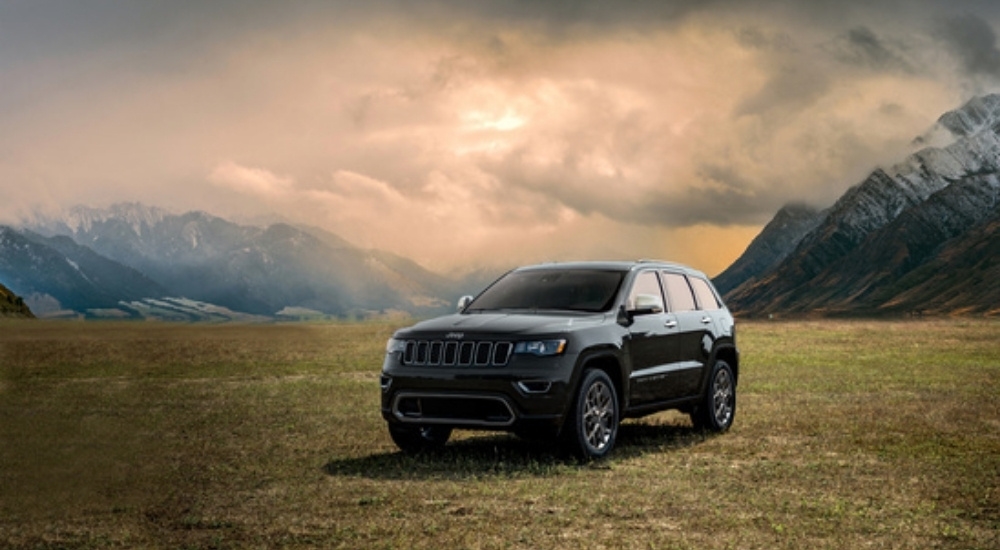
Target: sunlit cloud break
[
  {"x": 255, "y": 181},
  {"x": 473, "y": 133}
]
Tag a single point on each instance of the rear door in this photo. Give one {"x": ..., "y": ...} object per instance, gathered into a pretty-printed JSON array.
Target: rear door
[{"x": 691, "y": 327}]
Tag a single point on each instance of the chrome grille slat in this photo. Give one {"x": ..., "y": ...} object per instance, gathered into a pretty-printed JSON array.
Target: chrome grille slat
[
  {"x": 421, "y": 358},
  {"x": 478, "y": 353},
  {"x": 483, "y": 350},
  {"x": 450, "y": 353},
  {"x": 501, "y": 353},
  {"x": 435, "y": 356},
  {"x": 465, "y": 353}
]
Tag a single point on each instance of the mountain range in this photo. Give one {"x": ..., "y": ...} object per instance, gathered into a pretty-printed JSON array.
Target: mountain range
[
  {"x": 918, "y": 238},
  {"x": 131, "y": 260}
]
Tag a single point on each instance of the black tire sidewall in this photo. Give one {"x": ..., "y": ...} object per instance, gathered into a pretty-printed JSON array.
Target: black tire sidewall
[
  {"x": 575, "y": 437},
  {"x": 706, "y": 413},
  {"x": 414, "y": 439}
]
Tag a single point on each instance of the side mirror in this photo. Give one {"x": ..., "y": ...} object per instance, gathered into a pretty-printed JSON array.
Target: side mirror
[
  {"x": 646, "y": 304},
  {"x": 464, "y": 302}
]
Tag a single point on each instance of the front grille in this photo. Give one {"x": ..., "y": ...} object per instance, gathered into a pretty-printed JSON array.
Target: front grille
[{"x": 434, "y": 353}]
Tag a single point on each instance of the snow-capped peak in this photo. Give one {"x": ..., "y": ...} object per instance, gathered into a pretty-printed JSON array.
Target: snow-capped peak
[{"x": 136, "y": 215}]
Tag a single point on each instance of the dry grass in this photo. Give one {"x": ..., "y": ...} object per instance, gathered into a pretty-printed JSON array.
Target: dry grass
[{"x": 848, "y": 435}]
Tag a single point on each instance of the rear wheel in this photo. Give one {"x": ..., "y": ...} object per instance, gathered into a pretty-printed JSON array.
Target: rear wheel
[
  {"x": 414, "y": 439},
  {"x": 717, "y": 409},
  {"x": 592, "y": 424}
]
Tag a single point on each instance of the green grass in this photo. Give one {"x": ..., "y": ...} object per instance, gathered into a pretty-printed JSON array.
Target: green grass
[{"x": 848, "y": 435}]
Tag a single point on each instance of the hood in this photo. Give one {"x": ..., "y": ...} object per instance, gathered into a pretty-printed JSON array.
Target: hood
[{"x": 505, "y": 323}]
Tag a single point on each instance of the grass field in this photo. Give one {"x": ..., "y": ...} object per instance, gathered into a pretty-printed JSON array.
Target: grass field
[{"x": 848, "y": 435}]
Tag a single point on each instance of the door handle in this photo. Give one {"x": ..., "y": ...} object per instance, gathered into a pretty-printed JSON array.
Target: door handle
[
  {"x": 706, "y": 320},
  {"x": 670, "y": 323}
]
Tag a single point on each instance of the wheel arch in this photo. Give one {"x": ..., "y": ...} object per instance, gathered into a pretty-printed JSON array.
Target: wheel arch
[
  {"x": 728, "y": 353},
  {"x": 608, "y": 362}
]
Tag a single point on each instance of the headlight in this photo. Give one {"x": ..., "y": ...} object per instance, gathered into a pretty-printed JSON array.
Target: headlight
[
  {"x": 394, "y": 345},
  {"x": 541, "y": 348}
]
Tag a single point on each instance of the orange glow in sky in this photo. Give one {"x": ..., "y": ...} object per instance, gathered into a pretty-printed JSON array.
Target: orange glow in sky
[{"x": 471, "y": 134}]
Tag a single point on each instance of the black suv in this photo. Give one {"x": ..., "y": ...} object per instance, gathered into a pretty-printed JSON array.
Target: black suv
[{"x": 566, "y": 350}]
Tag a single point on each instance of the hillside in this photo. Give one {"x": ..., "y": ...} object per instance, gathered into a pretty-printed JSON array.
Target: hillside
[
  {"x": 778, "y": 239},
  {"x": 11, "y": 305},
  {"x": 973, "y": 259},
  {"x": 58, "y": 277},
  {"x": 871, "y": 252},
  {"x": 195, "y": 264}
]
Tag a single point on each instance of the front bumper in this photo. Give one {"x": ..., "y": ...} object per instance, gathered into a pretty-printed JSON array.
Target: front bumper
[{"x": 527, "y": 391}]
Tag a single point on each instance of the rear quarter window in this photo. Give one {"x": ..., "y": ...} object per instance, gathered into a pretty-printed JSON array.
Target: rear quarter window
[
  {"x": 678, "y": 292},
  {"x": 706, "y": 298}
]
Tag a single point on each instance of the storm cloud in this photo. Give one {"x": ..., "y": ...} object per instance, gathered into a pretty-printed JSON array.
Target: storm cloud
[
  {"x": 974, "y": 42},
  {"x": 461, "y": 132},
  {"x": 862, "y": 47}
]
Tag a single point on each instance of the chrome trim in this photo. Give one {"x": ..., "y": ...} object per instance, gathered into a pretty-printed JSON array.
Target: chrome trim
[
  {"x": 421, "y": 419},
  {"x": 484, "y": 350},
  {"x": 452, "y": 353},
  {"x": 466, "y": 352},
  {"x": 534, "y": 387},
  {"x": 502, "y": 352},
  {"x": 666, "y": 369}
]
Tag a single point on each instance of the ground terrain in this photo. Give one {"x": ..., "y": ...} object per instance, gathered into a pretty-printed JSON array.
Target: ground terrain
[{"x": 849, "y": 434}]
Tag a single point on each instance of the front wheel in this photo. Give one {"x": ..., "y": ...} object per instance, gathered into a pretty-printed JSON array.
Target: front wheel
[
  {"x": 592, "y": 424},
  {"x": 717, "y": 408},
  {"x": 414, "y": 439}
]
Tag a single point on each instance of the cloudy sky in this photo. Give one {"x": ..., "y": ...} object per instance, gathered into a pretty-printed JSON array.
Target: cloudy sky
[{"x": 463, "y": 133}]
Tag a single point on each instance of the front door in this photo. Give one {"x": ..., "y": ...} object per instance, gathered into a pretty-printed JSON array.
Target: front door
[{"x": 651, "y": 334}]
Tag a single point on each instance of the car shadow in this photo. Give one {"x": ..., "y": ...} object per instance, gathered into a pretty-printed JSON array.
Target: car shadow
[{"x": 505, "y": 455}]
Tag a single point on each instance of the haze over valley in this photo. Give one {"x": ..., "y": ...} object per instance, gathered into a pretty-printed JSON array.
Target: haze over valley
[{"x": 337, "y": 158}]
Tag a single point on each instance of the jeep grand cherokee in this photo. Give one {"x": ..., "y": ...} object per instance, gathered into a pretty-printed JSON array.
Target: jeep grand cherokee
[{"x": 566, "y": 350}]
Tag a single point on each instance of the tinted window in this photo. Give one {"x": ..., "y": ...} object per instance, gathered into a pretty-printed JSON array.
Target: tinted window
[
  {"x": 647, "y": 284},
  {"x": 706, "y": 298},
  {"x": 570, "y": 289},
  {"x": 678, "y": 292}
]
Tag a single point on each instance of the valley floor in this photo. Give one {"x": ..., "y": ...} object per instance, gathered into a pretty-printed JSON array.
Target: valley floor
[{"x": 848, "y": 434}]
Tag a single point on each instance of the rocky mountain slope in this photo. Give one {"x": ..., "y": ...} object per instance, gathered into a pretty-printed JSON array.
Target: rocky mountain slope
[
  {"x": 973, "y": 259},
  {"x": 11, "y": 305},
  {"x": 870, "y": 249},
  {"x": 204, "y": 264},
  {"x": 776, "y": 241},
  {"x": 59, "y": 277}
]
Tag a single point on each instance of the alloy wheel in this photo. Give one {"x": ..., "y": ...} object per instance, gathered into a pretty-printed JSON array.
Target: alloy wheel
[{"x": 599, "y": 415}]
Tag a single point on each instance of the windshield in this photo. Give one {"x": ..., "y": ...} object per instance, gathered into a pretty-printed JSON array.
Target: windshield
[{"x": 571, "y": 289}]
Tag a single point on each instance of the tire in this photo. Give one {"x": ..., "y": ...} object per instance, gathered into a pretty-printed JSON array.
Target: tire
[
  {"x": 415, "y": 439},
  {"x": 592, "y": 424},
  {"x": 717, "y": 409}
]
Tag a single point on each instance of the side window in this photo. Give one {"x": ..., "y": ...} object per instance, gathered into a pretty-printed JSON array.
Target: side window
[
  {"x": 678, "y": 292},
  {"x": 645, "y": 292},
  {"x": 706, "y": 298}
]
